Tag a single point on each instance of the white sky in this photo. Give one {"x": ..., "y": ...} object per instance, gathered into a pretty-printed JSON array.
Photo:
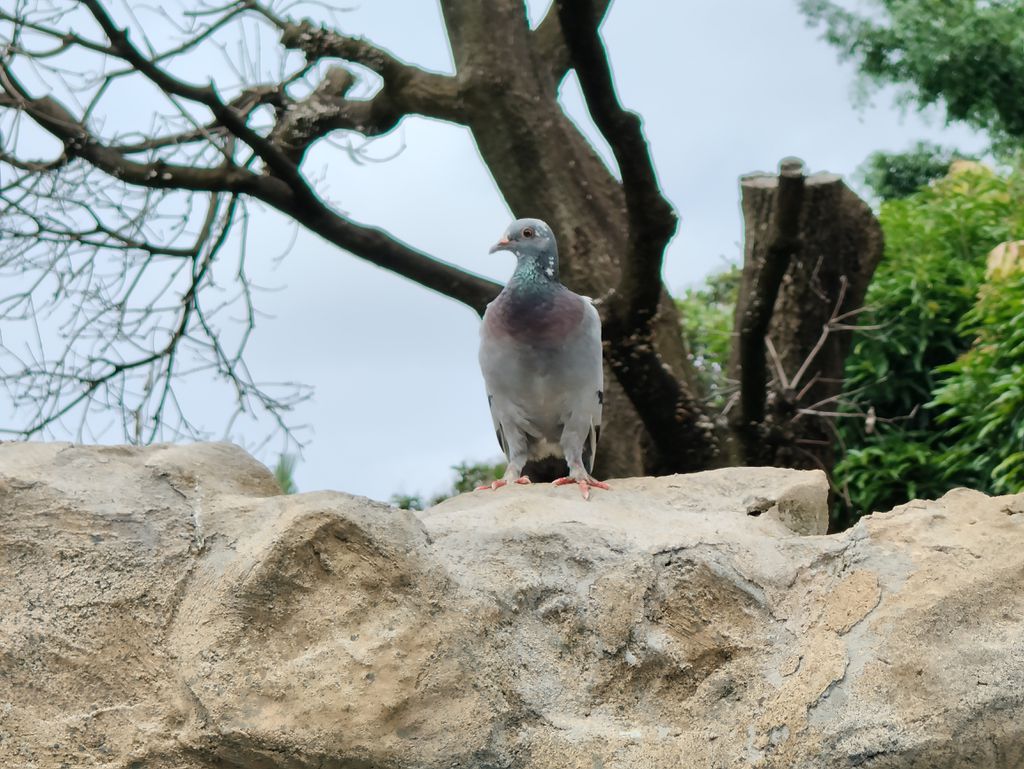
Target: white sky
[{"x": 725, "y": 88}]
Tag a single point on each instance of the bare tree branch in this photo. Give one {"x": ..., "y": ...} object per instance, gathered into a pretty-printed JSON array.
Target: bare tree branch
[
  {"x": 54, "y": 117},
  {"x": 277, "y": 161},
  {"x": 304, "y": 121},
  {"x": 369, "y": 243},
  {"x": 130, "y": 293}
]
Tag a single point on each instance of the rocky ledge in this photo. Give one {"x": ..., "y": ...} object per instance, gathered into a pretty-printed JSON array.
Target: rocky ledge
[{"x": 168, "y": 607}]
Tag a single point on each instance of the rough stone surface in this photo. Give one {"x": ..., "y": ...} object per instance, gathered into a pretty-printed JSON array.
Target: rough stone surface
[{"x": 166, "y": 607}]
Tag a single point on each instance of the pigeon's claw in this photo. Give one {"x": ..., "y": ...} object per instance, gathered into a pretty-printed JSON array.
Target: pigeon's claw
[
  {"x": 494, "y": 485},
  {"x": 585, "y": 484}
]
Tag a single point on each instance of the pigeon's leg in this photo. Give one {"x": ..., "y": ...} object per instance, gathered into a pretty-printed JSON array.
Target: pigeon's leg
[
  {"x": 518, "y": 450},
  {"x": 574, "y": 434}
]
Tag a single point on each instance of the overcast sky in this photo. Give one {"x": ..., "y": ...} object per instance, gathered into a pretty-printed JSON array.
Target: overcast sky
[{"x": 725, "y": 88}]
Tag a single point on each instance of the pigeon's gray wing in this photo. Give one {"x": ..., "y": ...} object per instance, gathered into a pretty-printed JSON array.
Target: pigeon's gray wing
[
  {"x": 506, "y": 373},
  {"x": 590, "y": 444},
  {"x": 490, "y": 355},
  {"x": 583, "y": 376},
  {"x": 497, "y": 426}
]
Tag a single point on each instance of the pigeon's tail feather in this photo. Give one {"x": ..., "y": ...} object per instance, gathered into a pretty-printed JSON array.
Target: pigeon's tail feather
[{"x": 590, "y": 448}]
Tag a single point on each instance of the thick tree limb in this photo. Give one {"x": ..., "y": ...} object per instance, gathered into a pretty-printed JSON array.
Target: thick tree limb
[
  {"x": 652, "y": 222},
  {"x": 811, "y": 248},
  {"x": 672, "y": 414},
  {"x": 321, "y": 43},
  {"x": 757, "y": 314},
  {"x": 549, "y": 42},
  {"x": 327, "y": 109},
  {"x": 407, "y": 89}
]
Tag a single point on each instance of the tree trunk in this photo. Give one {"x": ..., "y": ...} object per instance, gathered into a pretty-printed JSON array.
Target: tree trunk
[
  {"x": 826, "y": 243},
  {"x": 545, "y": 168}
]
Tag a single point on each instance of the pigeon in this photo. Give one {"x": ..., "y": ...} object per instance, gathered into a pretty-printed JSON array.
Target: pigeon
[{"x": 540, "y": 354}]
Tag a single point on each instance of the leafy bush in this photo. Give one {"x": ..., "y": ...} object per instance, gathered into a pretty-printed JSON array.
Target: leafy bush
[
  {"x": 467, "y": 477},
  {"x": 284, "y": 473},
  {"x": 982, "y": 400},
  {"x": 936, "y": 243},
  {"x": 894, "y": 175},
  {"x": 708, "y": 319},
  {"x": 887, "y": 469}
]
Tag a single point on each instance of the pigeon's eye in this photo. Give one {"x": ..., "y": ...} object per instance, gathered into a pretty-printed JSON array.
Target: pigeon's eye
[{"x": 528, "y": 232}]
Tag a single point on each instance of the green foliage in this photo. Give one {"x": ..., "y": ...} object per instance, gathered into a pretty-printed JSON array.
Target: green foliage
[
  {"x": 284, "y": 472},
  {"x": 893, "y": 175},
  {"x": 982, "y": 400},
  {"x": 944, "y": 369},
  {"x": 467, "y": 477},
  {"x": 408, "y": 501},
  {"x": 965, "y": 54},
  {"x": 936, "y": 244},
  {"x": 892, "y": 467},
  {"x": 707, "y": 328}
]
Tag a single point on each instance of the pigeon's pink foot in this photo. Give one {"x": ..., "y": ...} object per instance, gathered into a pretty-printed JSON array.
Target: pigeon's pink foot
[
  {"x": 493, "y": 485},
  {"x": 585, "y": 486}
]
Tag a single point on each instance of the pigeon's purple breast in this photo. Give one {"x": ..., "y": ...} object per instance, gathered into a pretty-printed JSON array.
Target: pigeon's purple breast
[{"x": 539, "y": 318}]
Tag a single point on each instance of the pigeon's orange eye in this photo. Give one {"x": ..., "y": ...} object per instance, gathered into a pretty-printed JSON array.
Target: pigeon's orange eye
[{"x": 528, "y": 232}]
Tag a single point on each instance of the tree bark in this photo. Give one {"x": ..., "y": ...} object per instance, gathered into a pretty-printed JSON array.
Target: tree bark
[{"x": 828, "y": 242}]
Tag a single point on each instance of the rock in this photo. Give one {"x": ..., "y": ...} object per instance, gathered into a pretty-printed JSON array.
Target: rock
[{"x": 167, "y": 607}]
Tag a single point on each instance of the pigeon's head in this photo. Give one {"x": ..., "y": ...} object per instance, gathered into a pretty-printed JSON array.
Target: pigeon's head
[{"x": 533, "y": 243}]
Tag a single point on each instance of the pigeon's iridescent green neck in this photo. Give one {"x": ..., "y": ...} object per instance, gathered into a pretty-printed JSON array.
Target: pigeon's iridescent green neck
[{"x": 535, "y": 271}]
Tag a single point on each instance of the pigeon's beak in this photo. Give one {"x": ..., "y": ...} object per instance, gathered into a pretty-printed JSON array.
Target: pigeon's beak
[{"x": 501, "y": 245}]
